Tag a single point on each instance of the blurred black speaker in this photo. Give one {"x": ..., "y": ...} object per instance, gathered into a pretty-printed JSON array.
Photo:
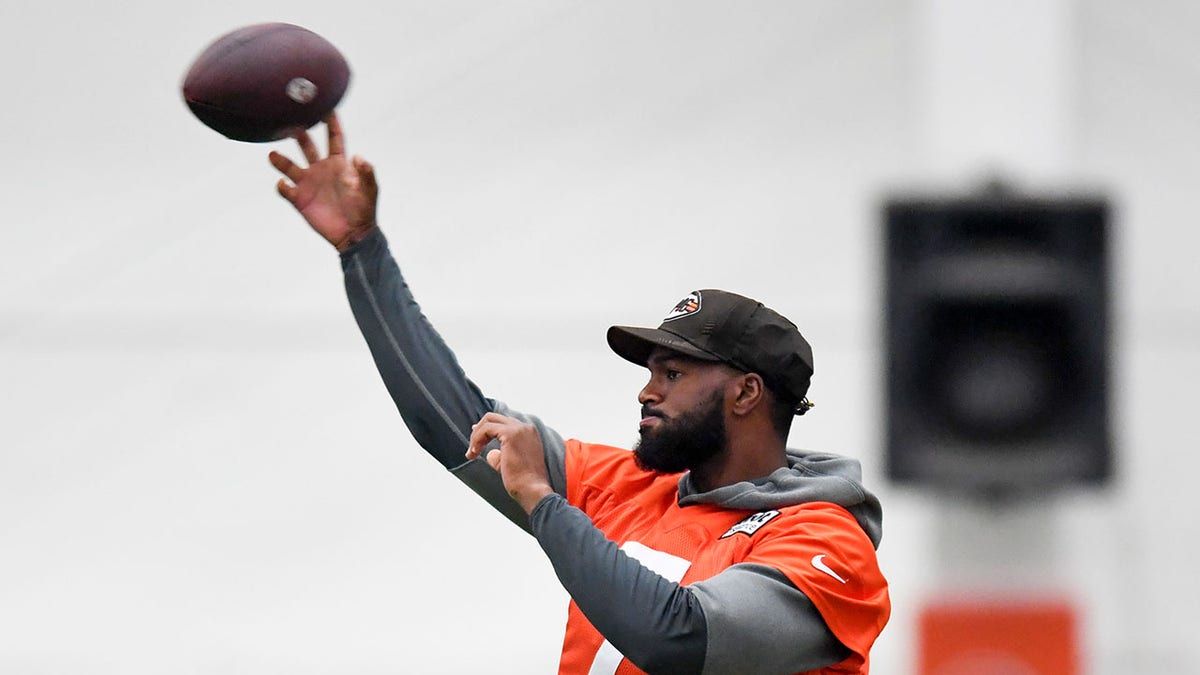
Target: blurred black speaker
[{"x": 997, "y": 343}]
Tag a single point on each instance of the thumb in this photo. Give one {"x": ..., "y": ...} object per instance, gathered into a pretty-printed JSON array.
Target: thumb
[
  {"x": 493, "y": 459},
  {"x": 366, "y": 175}
]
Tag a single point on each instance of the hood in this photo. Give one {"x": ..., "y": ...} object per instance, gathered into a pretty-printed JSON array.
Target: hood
[{"x": 809, "y": 477}]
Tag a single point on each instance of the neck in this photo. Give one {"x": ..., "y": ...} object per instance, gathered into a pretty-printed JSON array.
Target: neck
[{"x": 741, "y": 461}]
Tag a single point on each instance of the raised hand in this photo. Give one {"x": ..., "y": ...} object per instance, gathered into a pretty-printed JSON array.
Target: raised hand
[{"x": 335, "y": 195}]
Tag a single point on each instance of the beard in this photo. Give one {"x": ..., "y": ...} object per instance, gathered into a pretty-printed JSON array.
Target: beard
[{"x": 684, "y": 442}]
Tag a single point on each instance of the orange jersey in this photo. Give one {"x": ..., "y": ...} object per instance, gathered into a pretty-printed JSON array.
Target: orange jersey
[{"x": 819, "y": 546}]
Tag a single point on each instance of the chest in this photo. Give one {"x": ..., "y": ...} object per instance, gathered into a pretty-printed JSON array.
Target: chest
[{"x": 686, "y": 544}]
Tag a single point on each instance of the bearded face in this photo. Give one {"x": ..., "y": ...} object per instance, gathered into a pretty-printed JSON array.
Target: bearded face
[{"x": 685, "y": 441}]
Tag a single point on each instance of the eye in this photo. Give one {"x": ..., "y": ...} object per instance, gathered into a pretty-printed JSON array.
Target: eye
[{"x": 673, "y": 374}]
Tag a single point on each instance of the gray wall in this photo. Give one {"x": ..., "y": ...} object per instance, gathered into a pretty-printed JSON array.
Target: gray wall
[{"x": 201, "y": 473}]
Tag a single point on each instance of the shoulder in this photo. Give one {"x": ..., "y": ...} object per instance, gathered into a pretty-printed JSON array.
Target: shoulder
[
  {"x": 824, "y": 552},
  {"x": 795, "y": 534}
]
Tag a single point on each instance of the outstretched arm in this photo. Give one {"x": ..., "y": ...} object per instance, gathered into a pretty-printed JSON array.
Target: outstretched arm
[{"x": 337, "y": 196}]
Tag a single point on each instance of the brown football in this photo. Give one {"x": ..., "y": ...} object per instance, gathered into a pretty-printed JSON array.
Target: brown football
[{"x": 263, "y": 82}]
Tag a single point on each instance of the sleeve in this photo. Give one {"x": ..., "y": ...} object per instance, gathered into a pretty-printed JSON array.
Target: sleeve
[
  {"x": 664, "y": 627},
  {"x": 760, "y": 622},
  {"x": 436, "y": 400},
  {"x": 827, "y": 556}
]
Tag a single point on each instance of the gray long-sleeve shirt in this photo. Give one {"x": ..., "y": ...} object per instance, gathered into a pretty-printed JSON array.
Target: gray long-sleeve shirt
[{"x": 671, "y": 628}]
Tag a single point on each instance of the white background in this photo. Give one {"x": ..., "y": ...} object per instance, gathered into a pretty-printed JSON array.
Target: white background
[{"x": 201, "y": 473}]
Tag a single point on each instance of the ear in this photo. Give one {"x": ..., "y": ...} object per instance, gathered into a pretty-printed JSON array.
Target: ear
[{"x": 750, "y": 392}]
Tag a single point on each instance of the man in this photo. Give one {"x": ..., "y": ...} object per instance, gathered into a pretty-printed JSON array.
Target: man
[{"x": 711, "y": 548}]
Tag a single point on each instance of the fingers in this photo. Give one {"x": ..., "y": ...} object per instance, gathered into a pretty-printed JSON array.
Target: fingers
[
  {"x": 481, "y": 435},
  {"x": 308, "y": 147},
  {"x": 337, "y": 140},
  {"x": 286, "y": 166},
  {"x": 488, "y": 428},
  {"x": 286, "y": 190}
]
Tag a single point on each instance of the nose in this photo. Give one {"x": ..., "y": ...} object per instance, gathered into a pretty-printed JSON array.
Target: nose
[{"x": 648, "y": 394}]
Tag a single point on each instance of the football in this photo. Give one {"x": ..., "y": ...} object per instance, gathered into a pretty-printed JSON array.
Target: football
[{"x": 264, "y": 82}]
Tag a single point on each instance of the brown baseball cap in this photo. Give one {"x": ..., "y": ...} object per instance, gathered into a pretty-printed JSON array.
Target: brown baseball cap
[{"x": 715, "y": 325}]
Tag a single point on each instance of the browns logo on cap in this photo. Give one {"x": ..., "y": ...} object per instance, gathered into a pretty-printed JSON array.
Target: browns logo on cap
[
  {"x": 732, "y": 329},
  {"x": 688, "y": 305}
]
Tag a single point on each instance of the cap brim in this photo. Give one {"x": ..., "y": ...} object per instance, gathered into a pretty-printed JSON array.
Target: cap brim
[{"x": 636, "y": 344}]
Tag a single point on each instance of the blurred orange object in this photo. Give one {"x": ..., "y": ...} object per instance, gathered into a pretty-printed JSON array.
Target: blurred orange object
[{"x": 998, "y": 637}]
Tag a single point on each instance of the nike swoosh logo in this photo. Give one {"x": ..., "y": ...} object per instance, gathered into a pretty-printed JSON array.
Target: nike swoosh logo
[{"x": 820, "y": 564}]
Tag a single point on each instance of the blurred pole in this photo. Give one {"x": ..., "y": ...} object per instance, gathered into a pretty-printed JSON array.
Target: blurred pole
[
  {"x": 998, "y": 96},
  {"x": 997, "y": 92}
]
